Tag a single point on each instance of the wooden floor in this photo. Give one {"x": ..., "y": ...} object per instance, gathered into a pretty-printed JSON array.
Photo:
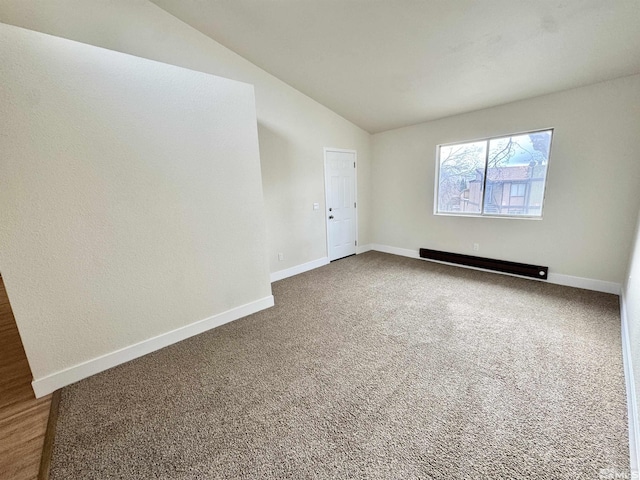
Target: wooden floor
[{"x": 23, "y": 418}]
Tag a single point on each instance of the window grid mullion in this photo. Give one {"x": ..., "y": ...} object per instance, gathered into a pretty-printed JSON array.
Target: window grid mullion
[{"x": 484, "y": 177}]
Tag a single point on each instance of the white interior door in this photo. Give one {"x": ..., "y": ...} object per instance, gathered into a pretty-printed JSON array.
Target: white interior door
[{"x": 340, "y": 178}]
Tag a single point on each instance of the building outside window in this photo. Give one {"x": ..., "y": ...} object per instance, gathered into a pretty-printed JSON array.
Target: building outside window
[{"x": 499, "y": 176}]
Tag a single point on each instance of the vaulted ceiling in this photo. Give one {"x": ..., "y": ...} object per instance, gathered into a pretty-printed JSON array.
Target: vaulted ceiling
[{"x": 384, "y": 64}]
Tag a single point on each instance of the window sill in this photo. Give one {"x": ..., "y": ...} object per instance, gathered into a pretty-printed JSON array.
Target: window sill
[{"x": 502, "y": 217}]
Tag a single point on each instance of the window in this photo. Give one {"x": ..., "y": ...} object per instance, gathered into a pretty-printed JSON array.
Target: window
[
  {"x": 518, "y": 189},
  {"x": 499, "y": 176}
]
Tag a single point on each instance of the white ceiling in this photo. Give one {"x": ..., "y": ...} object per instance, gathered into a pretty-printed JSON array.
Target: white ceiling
[{"x": 386, "y": 64}]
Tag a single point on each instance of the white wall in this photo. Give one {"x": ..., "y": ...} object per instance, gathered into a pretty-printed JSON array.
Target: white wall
[
  {"x": 131, "y": 200},
  {"x": 593, "y": 176},
  {"x": 293, "y": 129},
  {"x": 631, "y": 297},
  {"x": 592, "y": 191}
]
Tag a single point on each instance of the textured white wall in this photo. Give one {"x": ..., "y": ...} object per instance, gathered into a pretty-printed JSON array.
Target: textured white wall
[
  {"x": 131, "y": 199},
  {"x": 293, "y": 129},
  {"x": 592, "y": 191}
]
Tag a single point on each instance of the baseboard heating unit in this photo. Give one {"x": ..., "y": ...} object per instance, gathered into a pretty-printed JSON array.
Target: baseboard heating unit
[{"x": 523, "y": 269}]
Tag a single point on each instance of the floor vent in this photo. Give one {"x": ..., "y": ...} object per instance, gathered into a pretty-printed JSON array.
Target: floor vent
[{"x": 523, "y": 269}]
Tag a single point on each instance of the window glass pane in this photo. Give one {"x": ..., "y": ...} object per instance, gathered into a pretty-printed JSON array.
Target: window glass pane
[
  {"x": 461, "y": 177},
  {"x": 516, "y": 174}
]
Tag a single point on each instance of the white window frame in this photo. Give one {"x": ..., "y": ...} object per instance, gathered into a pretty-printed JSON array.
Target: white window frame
[{"x": 489, "y": 215}]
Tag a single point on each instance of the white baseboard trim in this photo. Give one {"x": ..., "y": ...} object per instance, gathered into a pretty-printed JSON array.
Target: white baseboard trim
[
  {"x": 586, "y": 283},
  {"x": 632, "y": 404},
  {"x": 304, "y": 267},
  {"x": 363, "y": 249},
  {"x": 556, "y": 278},
  {"x": 45, "y": 385}
]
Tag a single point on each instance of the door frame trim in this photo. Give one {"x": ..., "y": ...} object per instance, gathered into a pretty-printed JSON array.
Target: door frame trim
[{"x": 326, "y": 190}]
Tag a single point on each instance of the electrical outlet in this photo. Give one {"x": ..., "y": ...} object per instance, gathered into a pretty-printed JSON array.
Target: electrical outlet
[
  {"x": 280, "y": 256},
  {"x": 316, "y": 206},
  {"x": 476, "y": 247}
]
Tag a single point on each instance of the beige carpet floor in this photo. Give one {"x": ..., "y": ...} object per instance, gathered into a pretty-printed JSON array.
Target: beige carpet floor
[{"x": 374, "y": 366}]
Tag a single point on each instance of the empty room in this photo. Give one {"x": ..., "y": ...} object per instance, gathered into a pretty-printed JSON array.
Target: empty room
[{"x": 319, "y": 239}]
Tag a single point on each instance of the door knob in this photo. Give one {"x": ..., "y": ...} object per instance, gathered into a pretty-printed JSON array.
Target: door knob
[
  {"x": 330, "y": 209},
  {"x": 330, "y": 217}
]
